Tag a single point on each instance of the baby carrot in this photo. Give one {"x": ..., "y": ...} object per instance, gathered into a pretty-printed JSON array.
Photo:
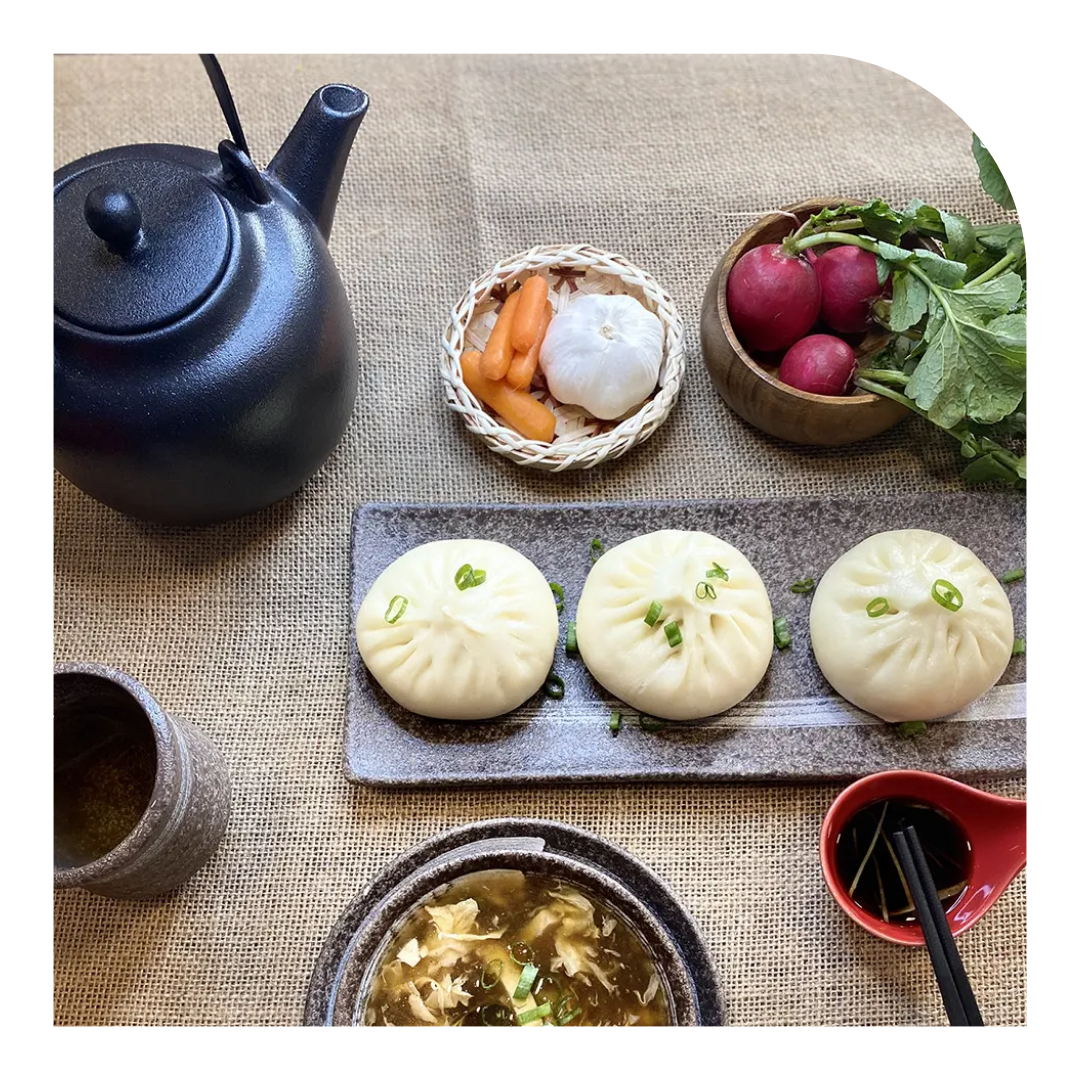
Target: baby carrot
[
  {"x": 523, "y": 366},
  {"x": 499, "y": 352},
  {"x": 521, "y": 411},
  {"x": 534, "y": 294}
]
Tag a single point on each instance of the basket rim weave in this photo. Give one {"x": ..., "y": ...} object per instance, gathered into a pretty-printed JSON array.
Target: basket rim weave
[{"x": 588, "y": 451}]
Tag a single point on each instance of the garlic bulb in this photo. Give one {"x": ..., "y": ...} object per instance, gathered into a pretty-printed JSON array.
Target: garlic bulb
[{"x": 603, "y": 353}]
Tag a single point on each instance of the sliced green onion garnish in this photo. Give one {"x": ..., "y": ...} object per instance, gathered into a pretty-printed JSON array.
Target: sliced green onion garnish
[
  {"x": 491, "y": 974},
  {"x": 717, "y": 571},
  {"x": 567, "y": 1008},
  {"x": 521, "y": 953},
  {"x": 528, "y": 977},
  {"x": 705, "y": 591},
  {"x": 396, "y": 609},
  {"x": 803, "y": 585},
  {"x": 780, "y": 633},
  {"x": 560, "y": 596},
  {"x": 571, "y": 637},
  {"x": 654, "y": 612},
  {"x": 909, "y": 729},
  {"x": 566, "y": 1002},
  {"x": 554, "y": 687},
  {"x": 529, "y": 1015},
  {"x": 877, "y": 607},
  {"x": 615, "y": 723},
  {"x": 947, "y": 595},
  {"x": 651, "y": 723},
  {"x": 547, "y": 984},
  {"x": 468, "y": 578},
  {"x": 674, "y": 634},
  {"x": 1012, "y": 575},
  {"x": 596, "y": 548},
  {"x": 496, "y": 1015},
  {"x": 1019, "y": 647}
]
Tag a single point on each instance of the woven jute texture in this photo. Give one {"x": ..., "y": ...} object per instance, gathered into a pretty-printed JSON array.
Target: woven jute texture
[{"x": 242, "y": 628}]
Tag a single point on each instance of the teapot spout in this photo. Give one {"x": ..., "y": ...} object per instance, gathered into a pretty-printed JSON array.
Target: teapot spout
[{"x": 311, "y": 161}]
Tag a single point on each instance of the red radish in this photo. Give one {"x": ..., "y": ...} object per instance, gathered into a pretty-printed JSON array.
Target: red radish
[
  {"x": 819, "y": 364},
  {"x": 849, "y": 285},
  {"x": 772, "y": 298}
]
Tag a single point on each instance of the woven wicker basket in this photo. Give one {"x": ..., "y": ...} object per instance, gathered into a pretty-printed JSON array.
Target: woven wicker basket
[{"x": 581, "y": 441}]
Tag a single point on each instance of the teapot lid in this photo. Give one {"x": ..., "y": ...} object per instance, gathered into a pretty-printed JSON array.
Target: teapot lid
[{"x": 137, "y": 244}]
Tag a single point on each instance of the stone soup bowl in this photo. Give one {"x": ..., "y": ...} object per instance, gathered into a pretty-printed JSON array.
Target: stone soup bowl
[{"x": 348, "y": 963}]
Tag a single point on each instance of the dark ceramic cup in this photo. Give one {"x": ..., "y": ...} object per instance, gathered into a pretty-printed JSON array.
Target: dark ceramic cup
[
  {"x": 343, "y": 975},
  {"x": 140, "y": 798}
]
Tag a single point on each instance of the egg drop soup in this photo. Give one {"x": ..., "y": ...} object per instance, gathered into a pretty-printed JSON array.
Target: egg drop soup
[{"x": 500, "y": 948}]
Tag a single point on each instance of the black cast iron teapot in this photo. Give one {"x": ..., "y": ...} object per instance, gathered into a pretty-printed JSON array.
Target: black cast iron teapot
[{"x": 205, "y": 354}]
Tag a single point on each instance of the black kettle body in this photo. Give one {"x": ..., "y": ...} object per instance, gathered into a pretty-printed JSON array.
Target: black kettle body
[{"x": 204, "y": 348}]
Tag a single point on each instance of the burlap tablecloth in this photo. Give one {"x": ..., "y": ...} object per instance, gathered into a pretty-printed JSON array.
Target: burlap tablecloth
[{"x": 243, "y": 628}]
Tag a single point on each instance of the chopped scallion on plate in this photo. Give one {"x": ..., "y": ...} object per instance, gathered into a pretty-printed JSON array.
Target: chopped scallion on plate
[
  {"x": 911, "y": 729},
  {"x": 560, "y": 596},
  {"x": 554, "y": 687}
]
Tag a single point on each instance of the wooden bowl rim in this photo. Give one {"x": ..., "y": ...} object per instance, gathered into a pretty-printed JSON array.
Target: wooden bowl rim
[{"x": 739, "y": 247}]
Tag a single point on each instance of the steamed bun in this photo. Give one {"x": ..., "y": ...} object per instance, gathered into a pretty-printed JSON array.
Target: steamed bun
[
  {"x": 727, "y": 641},
  {"x": 920, "y": 660},
  {"x": 459, "y": 654}
]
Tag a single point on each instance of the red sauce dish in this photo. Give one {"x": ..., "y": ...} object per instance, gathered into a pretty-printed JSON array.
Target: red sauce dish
[{"x": 995, "y": 830}]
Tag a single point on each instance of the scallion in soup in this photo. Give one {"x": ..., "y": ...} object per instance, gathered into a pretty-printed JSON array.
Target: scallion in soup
[{"x": 500, "y": 948}]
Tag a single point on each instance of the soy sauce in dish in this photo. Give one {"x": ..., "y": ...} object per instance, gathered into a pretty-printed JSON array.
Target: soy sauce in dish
[{"x": 869, "y": 867}]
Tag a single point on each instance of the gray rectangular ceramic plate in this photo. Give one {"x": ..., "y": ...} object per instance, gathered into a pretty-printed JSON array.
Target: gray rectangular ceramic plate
[{"x": 791, "y": 727}]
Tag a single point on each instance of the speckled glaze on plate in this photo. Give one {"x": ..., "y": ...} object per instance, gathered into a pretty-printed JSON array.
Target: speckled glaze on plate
[
  {"x": 791, "y": 727},
  {"x": 339, "y": 983}
]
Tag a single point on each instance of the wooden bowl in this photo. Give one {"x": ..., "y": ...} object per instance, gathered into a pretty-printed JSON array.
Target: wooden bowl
[{"x": 754, "y": 391}]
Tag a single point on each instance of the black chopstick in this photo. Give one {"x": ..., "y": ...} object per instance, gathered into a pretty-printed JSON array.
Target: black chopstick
[{"x": 956, "y": 993}]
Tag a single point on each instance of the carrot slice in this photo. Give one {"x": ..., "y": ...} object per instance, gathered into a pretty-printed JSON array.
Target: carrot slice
[
  {"x": 499, "y": 352},
  {"x": 523, "y": 366},
  {"x": 521, "y": 411},
  {"x": 534, "y": 294}
]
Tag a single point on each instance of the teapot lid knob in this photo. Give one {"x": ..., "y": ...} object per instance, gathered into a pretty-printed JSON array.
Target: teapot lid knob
[
  {"x": 139, "y": 241},
  {"x": 115, "y": 217}
]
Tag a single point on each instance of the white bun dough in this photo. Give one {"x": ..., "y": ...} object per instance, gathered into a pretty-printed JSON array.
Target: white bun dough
[
  {"x": 924, "y": 661},
  {"x": 726, "y": 642},
  {"x": 460, "y": 654}
]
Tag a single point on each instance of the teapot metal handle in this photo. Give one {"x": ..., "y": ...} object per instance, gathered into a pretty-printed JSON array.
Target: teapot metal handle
[{"x": 225, "y": 100}]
